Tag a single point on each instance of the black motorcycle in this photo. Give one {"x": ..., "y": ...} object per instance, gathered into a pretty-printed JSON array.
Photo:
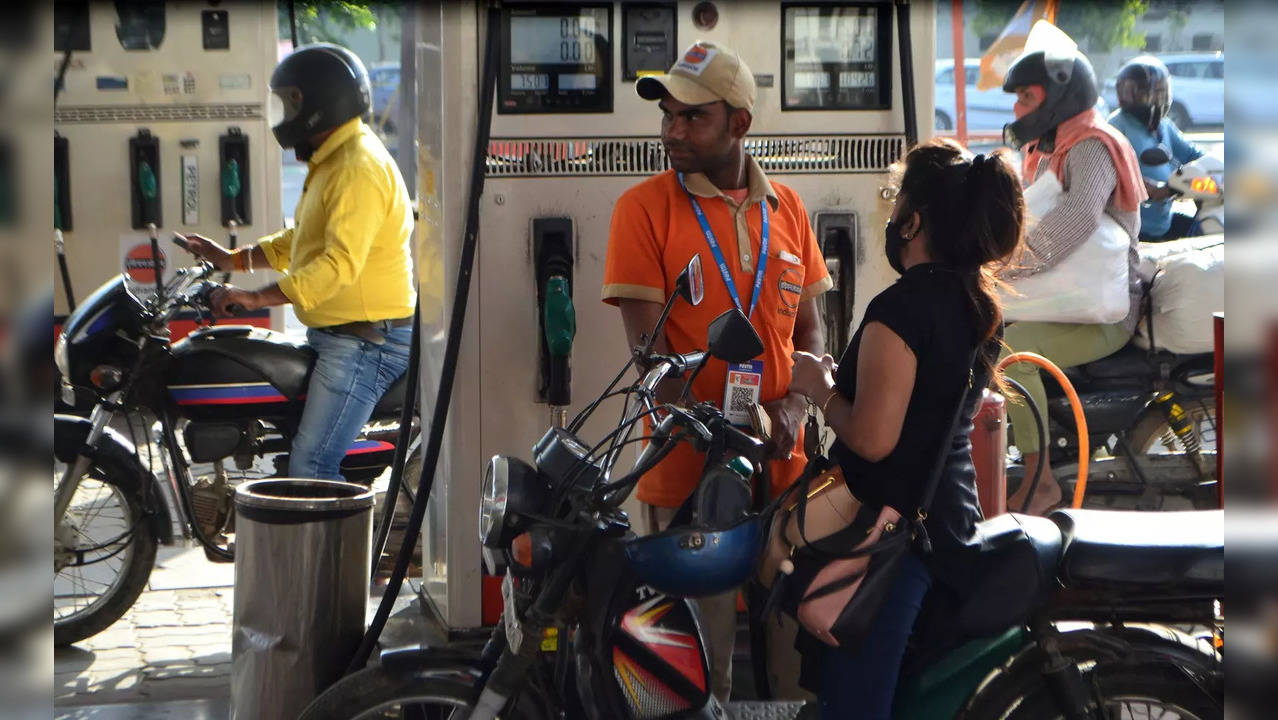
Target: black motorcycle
[
  {"x": 583, "y": 635},
  {"x": 224, "y": 394},
  {"x": 1151, "y": 424}
]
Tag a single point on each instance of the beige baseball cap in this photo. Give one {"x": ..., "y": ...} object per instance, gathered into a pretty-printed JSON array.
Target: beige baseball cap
[{"x": 706, "y": 73}]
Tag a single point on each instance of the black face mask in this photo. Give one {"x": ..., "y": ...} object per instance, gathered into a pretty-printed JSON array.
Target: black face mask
[{"x": 894, "y": 246}]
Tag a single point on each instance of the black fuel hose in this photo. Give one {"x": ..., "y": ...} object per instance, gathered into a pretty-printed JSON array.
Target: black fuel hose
[
  {"x": 401, "y": 443},
  {"x": 907, "y": 74},
  {"x": 452, "y": 348},
  {"x": 1043, "y": 450}
]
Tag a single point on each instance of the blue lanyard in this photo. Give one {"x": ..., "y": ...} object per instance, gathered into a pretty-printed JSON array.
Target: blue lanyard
[{"x": 723, "y": 263}]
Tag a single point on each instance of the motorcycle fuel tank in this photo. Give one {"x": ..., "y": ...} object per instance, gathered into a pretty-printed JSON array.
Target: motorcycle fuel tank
[{"x": 223, "y": 373}]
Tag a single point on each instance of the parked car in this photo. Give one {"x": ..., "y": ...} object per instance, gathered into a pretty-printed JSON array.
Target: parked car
[
  {"x": 987, "y": 110},
  {"x": 384, "y": 78},
  {"x": 1197, "y": 86}
]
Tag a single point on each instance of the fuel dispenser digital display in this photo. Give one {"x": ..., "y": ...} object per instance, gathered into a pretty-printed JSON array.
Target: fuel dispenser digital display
[
  {"x": 556, "y": 59},
  {"x": 837, "y": 56}
]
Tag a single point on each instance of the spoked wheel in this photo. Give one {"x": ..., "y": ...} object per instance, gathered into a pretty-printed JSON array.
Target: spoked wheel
[
  {"x": 374, "y": 694},
  {"x": 1131, "y": 692},
  {"x": 103, "y": 554},
  {"x": 1153, "y": 436}
]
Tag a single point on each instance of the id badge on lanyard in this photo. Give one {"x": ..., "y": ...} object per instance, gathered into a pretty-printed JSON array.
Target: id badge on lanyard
[
  {"x": 745, "y": 384},
  {"x": 745, "y": 380}
]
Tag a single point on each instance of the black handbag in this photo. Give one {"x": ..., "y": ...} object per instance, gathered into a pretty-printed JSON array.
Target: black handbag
[{"x": 834, "y": 585}]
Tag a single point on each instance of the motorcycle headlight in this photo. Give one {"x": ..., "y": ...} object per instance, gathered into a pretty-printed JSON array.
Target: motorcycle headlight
[
  {"x": 511, "y": 488},
  {"x": 61, "y": 357}
]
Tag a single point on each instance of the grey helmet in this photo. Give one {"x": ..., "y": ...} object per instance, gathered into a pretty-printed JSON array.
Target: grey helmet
[{"x": 1070, "y": 85}]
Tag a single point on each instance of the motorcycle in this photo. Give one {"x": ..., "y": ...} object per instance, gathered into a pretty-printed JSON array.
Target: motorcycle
[
  {"x": 1151, "y": 412},
  {"x": 222, "y": 394},
  {"x": 585, "y": 634}
]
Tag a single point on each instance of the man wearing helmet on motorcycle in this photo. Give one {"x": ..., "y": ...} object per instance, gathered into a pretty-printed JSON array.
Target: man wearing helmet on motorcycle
[
  {"x": 1059, "y": 130},
  {"x": 346, "y": 263},
  {"x": 1144, "y": 96}
]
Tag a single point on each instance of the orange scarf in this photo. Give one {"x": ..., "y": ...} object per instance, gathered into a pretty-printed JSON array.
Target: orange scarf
[{"x": 1129, "y": 192}]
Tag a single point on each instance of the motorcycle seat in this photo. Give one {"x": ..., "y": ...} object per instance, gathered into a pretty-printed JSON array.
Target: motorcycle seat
[
  {"x": 1129, "y": 362},
  {"x": 1180, "y": 553}
]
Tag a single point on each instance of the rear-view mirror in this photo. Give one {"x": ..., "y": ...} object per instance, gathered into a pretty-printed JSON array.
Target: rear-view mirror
[
  {"x": 733, "y": 339},
  {"x": 691, "y": 285},
  {"x": 1157, "y": 155}
]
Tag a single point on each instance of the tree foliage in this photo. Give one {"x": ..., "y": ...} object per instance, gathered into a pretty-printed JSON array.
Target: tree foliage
[
  {"x": 1103, "y": 25},
  {"x": 327, "y": 20}
]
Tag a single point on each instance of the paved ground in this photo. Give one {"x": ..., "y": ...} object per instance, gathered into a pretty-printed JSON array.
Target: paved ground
[{"x": 175, "y": 643}]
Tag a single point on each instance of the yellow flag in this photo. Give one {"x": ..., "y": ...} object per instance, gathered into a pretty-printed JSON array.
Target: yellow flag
[{"x": 1011, "y": 42}]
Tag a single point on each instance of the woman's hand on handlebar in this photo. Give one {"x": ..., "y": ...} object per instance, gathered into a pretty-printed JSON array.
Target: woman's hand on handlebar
[{"x": 206, "y": 249}]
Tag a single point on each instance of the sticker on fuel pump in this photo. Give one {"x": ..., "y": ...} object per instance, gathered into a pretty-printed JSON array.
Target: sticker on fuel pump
[
  {"x": 139, "y": 266},
  {"x": 191, "y": 189}
]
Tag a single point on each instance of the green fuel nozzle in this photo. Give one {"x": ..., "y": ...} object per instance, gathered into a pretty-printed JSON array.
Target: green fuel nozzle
[{"x": 560, "y": 319}]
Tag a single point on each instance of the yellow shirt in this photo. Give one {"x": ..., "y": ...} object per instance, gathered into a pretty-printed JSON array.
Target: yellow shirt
[{"x": 348, "y": 256}]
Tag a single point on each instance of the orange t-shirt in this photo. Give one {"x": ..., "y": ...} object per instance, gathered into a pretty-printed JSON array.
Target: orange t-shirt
[{"x": 654, "y": 235}]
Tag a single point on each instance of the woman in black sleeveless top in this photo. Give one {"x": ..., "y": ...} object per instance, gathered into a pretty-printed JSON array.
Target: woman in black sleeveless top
[{"x": 891, "y": 397}]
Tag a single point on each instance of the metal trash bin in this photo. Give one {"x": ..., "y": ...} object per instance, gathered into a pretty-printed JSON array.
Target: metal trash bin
[{"x": 301, "y": 591}]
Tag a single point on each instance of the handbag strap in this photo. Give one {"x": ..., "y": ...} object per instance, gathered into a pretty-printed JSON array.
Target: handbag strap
[{"x": 938, "y": 466}]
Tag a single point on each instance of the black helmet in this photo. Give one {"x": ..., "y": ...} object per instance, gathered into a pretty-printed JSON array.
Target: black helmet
[
  {"x": 319, "y": 87},
  {"x": 1143, "y": 87},
  {"x": 1070, "y": 84}
]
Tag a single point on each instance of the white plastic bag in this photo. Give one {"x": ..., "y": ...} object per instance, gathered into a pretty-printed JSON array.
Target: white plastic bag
[
  {"x": 1188, "y": 288},
  {"x": 1090, "y": 285}
]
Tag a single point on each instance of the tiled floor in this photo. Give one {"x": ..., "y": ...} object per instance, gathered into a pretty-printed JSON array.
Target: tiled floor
[{"x": 175, "y": 643}]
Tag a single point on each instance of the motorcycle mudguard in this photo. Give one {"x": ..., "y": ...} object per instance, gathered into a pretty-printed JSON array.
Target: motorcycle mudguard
[
  {"x": 69, "y": 435},
  {"x": 944, "y": 687}
]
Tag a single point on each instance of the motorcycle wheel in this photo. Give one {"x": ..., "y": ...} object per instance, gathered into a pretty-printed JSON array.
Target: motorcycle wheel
[
  {"x": 1153, "y": 436},
  {"x": 105, "y": 558},
  {"x": 375, "y": 694},
  {"x": 1129, "y": 692}
]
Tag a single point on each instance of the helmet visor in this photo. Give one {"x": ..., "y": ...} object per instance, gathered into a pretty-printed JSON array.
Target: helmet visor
[{"x": 284, "y": 105}]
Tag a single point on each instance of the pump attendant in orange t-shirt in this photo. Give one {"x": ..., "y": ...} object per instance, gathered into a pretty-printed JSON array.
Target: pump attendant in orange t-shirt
[{"x": 761, "y": 256}]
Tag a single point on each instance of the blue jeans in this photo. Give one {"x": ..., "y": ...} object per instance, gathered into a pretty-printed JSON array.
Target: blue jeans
[
  {"x": 861, "y": 685},
  {"x": 350, "y": 376}
]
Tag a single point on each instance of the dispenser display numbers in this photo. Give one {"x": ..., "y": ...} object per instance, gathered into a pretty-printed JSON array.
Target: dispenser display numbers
[
  {"x": 556, "y": 58},
  {"x": 837, "y": 56}
]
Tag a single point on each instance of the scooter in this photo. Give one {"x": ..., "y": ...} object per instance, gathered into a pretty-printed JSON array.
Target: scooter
[
  {"x": 584, "y": 634},
  {"x": 222, "y": 394},
  {"x": 1201, "y": 181}
]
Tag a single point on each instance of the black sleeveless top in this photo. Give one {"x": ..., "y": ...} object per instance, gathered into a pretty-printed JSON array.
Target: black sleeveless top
[{"x": 929, "y": 309}]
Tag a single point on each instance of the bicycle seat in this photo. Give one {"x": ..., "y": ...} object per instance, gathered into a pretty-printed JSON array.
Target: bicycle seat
[{"x": 1180, "y": 553}]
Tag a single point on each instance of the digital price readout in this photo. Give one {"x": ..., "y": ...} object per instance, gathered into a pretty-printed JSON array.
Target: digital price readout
[
  {"x": 556, "y": 59},
  {"x": 837, "y": 56}
]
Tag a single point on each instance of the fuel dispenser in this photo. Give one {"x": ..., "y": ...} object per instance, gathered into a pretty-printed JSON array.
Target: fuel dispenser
[
  {"x": 162, "y": 122},
  {"x": 568, "y": 137}
]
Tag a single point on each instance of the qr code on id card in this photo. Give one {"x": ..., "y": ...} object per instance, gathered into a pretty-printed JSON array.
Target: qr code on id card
[{"x": 741, "y": 400}]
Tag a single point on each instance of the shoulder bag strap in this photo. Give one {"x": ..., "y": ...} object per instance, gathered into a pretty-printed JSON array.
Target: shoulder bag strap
[{"x": 929, "y": 491}]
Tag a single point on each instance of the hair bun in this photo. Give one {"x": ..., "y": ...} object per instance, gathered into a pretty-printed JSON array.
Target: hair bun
[{"x": 977, "y": 161}]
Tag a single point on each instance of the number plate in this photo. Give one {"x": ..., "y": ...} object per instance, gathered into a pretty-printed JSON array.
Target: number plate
[{"x": 514, "y": 631}]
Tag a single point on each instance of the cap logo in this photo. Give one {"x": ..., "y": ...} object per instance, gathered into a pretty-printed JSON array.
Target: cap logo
[{"x": 696, "y": 60}]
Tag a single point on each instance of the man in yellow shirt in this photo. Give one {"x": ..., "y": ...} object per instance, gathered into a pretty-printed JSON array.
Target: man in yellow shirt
[{"x": 347, "y": 261}]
